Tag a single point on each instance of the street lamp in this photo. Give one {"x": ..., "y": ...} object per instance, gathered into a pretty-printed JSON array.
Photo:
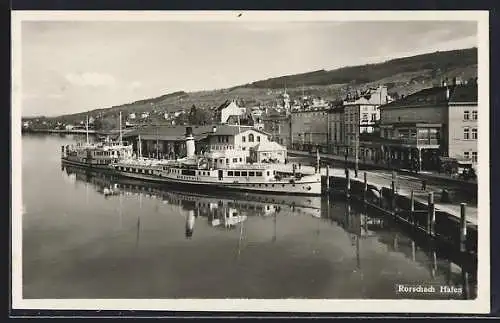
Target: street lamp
[{"x": 356, "y": 153}]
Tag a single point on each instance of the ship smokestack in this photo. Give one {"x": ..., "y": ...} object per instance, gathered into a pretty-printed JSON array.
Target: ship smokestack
[
  {"x": 190, "y": 219},
  {"x": 190, "y": 146}
]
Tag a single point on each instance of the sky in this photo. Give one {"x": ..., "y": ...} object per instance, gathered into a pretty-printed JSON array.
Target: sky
[{"x": 76, "y": 66}]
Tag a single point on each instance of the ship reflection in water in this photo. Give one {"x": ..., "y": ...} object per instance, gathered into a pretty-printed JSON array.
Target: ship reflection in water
[{"x": 243, "y": 245}]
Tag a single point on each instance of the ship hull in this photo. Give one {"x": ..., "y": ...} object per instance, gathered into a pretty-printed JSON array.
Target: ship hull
[
  {"x": 306, "y": 188},
  {"x": 103, "y": 168}
]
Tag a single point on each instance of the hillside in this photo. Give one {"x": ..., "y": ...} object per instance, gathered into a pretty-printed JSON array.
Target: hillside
[
  {"x": 401, "y": 76},
  {"x": 439, "y": 62}
]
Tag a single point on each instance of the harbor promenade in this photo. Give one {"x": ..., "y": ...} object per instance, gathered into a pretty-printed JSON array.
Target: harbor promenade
[
  {"x": 381, "y": 166},
  {"x": 404, "y": 187}
]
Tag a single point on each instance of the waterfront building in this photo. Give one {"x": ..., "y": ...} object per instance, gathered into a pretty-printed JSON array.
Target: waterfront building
[
  {"x": 336, "y": 129},
  {"x": 310, "y": 129},
  {"x": 432, "y": 125},
  {"x": 169, "y": 141},
  {"x": 278, "y": 126},
  {"x": 268, "y": 151},
  {"x": 361, "y": 115},
  {"x": 228, "y": 109}
]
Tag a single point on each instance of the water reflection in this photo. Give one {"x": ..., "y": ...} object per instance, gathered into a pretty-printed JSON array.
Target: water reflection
[{"x": 340, "y": 230}]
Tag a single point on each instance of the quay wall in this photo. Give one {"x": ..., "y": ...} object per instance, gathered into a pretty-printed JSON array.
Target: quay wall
[{"x": 447, "y": 227}]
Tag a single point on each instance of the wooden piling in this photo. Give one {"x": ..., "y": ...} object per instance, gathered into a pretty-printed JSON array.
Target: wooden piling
[
  {"x": 412, "y": 208},
  {"x": 463, "y": 228},
  {"x": 365, "y": 187},
  {"x": 431, "y": 214},
  {"x": 327, "y": 178},
  {"x": 393, "y": 191},
  {"x": 381, "y": 198},
  {"x": 348, "y": 185}
]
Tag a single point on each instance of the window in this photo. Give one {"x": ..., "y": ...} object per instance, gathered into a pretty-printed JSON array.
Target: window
[
  {"x": 268, "y": 173},
  {"x": 474, "y": 115},
  {"x": 237, "y": 173},
  {"x": 258, "y": 138},
  {"x": 250, "y": 138},
  {"x": 258, "y": 173},
  {"x": 466, "y": 133},
  {"x": 243, "y": 138},
  {"x": 474, "y": 156},
  {"x": 251, "y": 173},
  {"x": 244, "y": 148},
  {"x": 466, "y": 115},
  {"x": 241, "y": 159},
  {"x": 374, "y": 117},
  {"x": 365, "y": 117},
  {"x": 227, "y": 160},
  {"x": 235, "y": 160},
  {"x": 474, "y": 133},
  {"x": 466, "y": 154},
  {"x": 244, "y": 174},
  {"x": 230, "y": 173}
]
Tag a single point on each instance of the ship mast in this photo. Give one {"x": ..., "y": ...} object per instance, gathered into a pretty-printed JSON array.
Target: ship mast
[
  {"x": 157, "y": 144},
  {"x": 120, "y": 123},
  {"x": 140, "y": 147},
  {"x": 87, "y": 129}
]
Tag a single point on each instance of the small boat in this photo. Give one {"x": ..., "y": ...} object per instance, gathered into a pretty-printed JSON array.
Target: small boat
[{"x": 95, "y": 155}]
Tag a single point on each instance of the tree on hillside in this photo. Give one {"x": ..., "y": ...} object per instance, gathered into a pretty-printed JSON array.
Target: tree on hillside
[
  {"x": 107, "y": 123},
  {"x": 197, "y": 116}
]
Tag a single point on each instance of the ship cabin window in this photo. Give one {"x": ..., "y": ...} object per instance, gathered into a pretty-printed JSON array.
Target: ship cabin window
[
  {"x": 268, "y": 173},
  {"x": 230, "y": 173},
  {"x": 274, "y": 172},
  {"x": 236, "y": 173},
  {"x": 221, "y": 160},
  {"x": 244, "y": 148},
  {"x": 244, "y": 174},
  {"x": 258, "y": 138},
  {"x": 258, "y": 174},
  {"x": 241, "y": 159},
  {"x": 250, "y": 138},
  {"x": 251, "y": 173},
  {"x": 227, "y": 160},
  {"x": 235, "y": 160},
  {"x": 243, "y": 139}
]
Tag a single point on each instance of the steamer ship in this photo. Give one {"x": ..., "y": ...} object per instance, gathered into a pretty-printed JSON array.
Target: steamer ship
[
  {"x": 220, "y": 170},
  {"x": 96, "y": 155}
]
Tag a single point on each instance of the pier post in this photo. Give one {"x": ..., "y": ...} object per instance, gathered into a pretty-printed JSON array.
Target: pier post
[
  {"x": 412, "y": 208},
  {"x": 465, "y": 284},
  {"x": 393, "y": 190},
  {"x": 463, "y": 228},
  {"x": 348, "y": 185},
  {"x": 431, "y": 214},
  {"x": 327, "y": 178},
  {"x": 365, "y": 187},
  {"x": 62, "y": 151},
  {"x": 381, "y": 198}
]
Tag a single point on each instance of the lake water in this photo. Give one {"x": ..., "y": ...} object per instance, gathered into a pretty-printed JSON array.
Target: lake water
[{"x": 146, "y": 242}]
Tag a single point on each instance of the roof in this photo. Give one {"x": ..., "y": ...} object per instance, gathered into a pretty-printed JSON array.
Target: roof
[
  {"x": 224, "y": 105},
  {"x": 463, "y": 93},
  {"x": 176, "y": 133},
  {"x": 411, "y": 124},
  {"x": 269, "y": 146}
]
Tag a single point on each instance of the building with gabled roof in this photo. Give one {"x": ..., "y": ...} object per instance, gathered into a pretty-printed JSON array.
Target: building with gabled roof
[{"x": 435, "y": 124}]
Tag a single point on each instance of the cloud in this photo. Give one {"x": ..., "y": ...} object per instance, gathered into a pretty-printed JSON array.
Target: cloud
[
  {"x": 55, "y": 96},
  {"x": 90, "y": 79},
  {"x": 135, "y": 85}
]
